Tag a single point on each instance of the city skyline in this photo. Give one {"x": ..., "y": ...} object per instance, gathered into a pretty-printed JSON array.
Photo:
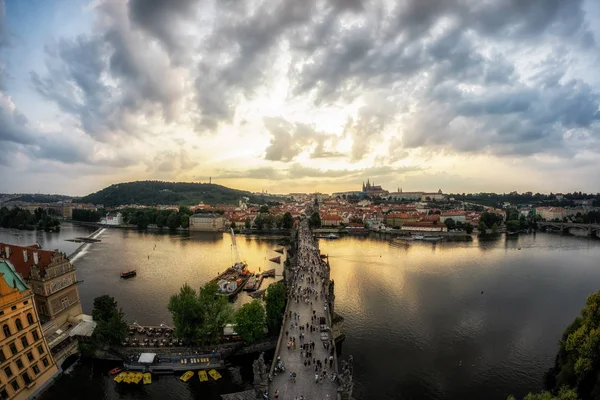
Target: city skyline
[{"x": 289, "y": 97}]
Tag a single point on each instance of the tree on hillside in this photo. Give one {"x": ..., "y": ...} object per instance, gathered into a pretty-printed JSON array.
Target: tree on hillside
[
  {"x": 263, "y": 209},
  {"x": 251, "y": 321},
  {"x": 185, "y": 311},
  {"x": 142, "y": 220},
  {"x": 173, "y": 221},
  {"x": 161, "y": 220},
  {"x": 275, "y": 305},
  {"x": 287, "y": 221},
  {"x": 247, "y": 223}
]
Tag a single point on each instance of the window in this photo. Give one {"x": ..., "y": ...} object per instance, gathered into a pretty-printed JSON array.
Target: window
[
  {"x": 45, "y": 361},
  {"x": 13, "y": 348},
  {"x": 19, "y": 324},
  {"x": 26, "y": 378},
  {"x": 35, "y": 335},
  {"x": 2, "y": 356},
  {"x": 26, "y": 302},
  {"x": 19, "y": 363},
  {"x": 30, "y": 318},
  {"x": 30, "y": 356},
  {"x": 65, "y": 302},
  {"x": 6, "y": 330},
  {"x": 13, "y": 308},
  {"x": 36, "y": 369},
  {"x": 15, "y": 385},
  {"x": 3, "y": 394},
  {"x": 43, "y": 309},
  {"x": 24, "y": 341},
  {"x": 8, "y": 371},
  {"x": 1, "y": 312},
  {"x": 40, "y": 349}
]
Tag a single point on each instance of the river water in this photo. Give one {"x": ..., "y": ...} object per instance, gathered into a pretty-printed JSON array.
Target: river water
[{"x": 455, "y": 320}]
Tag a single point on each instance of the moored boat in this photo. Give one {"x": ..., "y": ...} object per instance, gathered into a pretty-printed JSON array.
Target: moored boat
[
  {"x": 119, "y": 378},
  {"x": 202, "y": 375},
  {"x": 147, "y": 378},
  {"x": 186, "y": 377},
  {"x": 127, "y": 377},
  {"x": 214, "y": 374},
  {"x": 128, "y": 274},
  {"x": 115, "y": 371},
  {"x": 137, "y": 377}
]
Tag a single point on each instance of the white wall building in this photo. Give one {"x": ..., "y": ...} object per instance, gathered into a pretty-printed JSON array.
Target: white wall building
[{"x": 112, "y": 219}]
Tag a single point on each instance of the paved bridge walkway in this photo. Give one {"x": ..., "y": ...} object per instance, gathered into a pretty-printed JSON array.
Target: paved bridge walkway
[{"x": 307, "y": 303}]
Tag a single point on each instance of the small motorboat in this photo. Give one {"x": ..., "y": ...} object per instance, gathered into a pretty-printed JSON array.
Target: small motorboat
[
  {"x": 119, "y": 378},
  {"x": 332, "y": 236},
  {"x": 202, "y": 375},
  {"x": 115, "y": 371},
  {"x": 127, "y": 377},
  {"x": 187, "y": 376},
  {"x": 128, "y": 274},
  {"x": 147, "y": 378},
  {"x": 214, "y": 374}
]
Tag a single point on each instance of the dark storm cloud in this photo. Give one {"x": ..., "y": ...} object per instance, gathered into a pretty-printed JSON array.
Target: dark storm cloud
[
  {"x": 109, "y": 78},
  {"x": 447, "y": 70},
  {"x": 160, "y": 18}
]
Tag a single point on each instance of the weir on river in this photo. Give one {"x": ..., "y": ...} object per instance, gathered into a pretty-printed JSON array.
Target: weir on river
[{"x": 306, "y": 346}]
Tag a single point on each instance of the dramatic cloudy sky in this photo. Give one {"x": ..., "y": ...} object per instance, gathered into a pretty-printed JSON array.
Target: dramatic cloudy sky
[{"x": 288, "y": 95}]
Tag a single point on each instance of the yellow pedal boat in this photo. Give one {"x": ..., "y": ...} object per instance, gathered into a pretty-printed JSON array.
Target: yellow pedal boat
[
  {"x": 147, "y": 378},
  {"x": 119, "y": 378},
  {"x": 202, "y": 375},
  {"x": 214, "y": 374},
  {"x": 137, "y": 377},
  {"x": 186, "y": 377},
  {"x": 127, "y": 377}
]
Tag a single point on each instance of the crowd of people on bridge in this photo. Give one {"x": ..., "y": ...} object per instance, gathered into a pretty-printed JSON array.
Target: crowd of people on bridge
[{"x": 309, "y": 286}]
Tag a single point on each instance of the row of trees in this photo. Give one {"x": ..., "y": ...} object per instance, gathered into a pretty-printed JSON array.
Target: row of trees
[
  {"x": 199, "y": 317},
  {"x": 268, "y": 221},
  {"x": 86, "y": 215},
  {"x": 451, "y": 225},
  {"x": 19, "y": 218}
]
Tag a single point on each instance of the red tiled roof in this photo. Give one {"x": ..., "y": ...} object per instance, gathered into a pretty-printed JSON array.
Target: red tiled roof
[{"x": 16, "y": 256}]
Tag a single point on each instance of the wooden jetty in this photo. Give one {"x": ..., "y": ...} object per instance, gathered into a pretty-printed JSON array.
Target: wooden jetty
[{"x": 83, "y": 240}]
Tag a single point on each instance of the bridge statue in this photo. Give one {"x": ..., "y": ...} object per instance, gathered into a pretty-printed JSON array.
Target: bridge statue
[{"x": 261, "y": 375}]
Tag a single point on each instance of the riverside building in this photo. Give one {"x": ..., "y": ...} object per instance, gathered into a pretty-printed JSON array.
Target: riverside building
[{"x": 26, "y": 365}]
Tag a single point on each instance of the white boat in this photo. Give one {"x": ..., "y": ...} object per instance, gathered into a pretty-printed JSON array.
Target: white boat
[
  {"x": 418, "y": 237},
  {"x": 332, "y": 236}
]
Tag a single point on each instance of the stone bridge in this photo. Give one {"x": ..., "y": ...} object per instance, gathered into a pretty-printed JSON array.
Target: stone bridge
[
  {"x": 567, "y": 227},
  {"x": 310, "y": 293}
]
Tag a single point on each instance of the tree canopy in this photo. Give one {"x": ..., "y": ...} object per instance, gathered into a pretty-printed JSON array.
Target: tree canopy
[
  {"x": 200, "y": 317},
  {"x": 19, "y": 218},
  {"x": 250, "y": 321},
  {"x": 151, "y": 193},
  {"x": 287, "y": 221},
  {"x": 315, "y": 220},
  {"x": 111, "y": 327},
  {"x": 577, "y": 364},
  {"x": 275, "y": 305}
]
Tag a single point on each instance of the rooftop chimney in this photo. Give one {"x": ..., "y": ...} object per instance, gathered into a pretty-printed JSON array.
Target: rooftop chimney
[
  {"x": 25, "y": 255},
  {"x": 35, "y": 258}
]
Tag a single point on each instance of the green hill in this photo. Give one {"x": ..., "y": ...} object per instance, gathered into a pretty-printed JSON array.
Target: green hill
[{"x": 151, "y": 193}]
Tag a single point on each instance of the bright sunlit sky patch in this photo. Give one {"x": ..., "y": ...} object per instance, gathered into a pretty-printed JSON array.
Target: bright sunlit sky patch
[{"x": 287, "y": 96}]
